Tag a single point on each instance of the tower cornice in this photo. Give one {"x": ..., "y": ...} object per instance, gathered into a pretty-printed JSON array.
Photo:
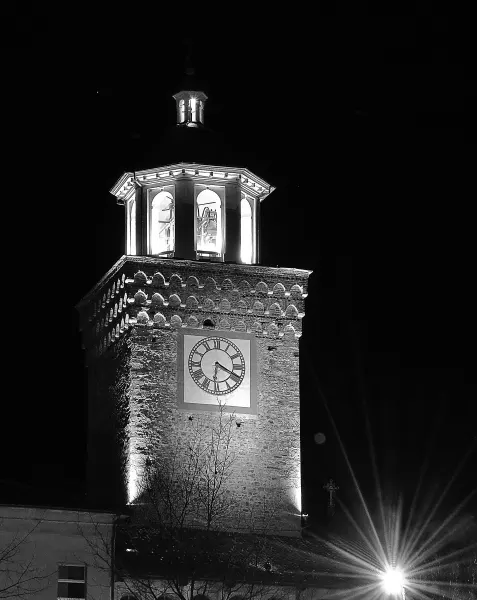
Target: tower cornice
[
  {"x": 128, "y": 295},
  {"x": 250, "y": 183}
]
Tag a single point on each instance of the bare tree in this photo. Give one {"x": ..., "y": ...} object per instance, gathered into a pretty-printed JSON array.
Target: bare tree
[
  {"x": 187, "y": 485},
  {"x": 181, "y": 538},
  {"x": 20, "y": 576}
]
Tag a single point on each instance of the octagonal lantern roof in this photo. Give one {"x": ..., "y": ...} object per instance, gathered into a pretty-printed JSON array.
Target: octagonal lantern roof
[{"x": 250, "y": 183}]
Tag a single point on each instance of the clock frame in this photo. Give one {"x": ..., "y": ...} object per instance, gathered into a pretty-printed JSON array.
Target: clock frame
[{"x": 216, "y": 367}]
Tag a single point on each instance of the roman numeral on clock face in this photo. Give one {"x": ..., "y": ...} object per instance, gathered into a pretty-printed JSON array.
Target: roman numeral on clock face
[
  {"x": 234, "y": 356},
  {"x": 195, "y": 363},
  {"x": 197, "y": 375},
  {"x": 234, "y": 377}
]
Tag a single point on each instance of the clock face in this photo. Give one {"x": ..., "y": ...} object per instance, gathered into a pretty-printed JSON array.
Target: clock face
[
  {"x": 217, "y": 369},
  {"x": 217, "y": 365}
]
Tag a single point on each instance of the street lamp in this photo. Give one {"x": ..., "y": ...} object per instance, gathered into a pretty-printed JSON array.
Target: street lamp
[{"x": 393, "y": 583}]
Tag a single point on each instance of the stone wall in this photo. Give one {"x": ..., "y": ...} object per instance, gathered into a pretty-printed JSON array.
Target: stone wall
[
  {"x": 265, "y": 483},
  {"x": 109, "y": 379},
  {"x": 267, "y": 301},
  {"x": 159, "y": 297},
  {"x": 264, "y": 300}
]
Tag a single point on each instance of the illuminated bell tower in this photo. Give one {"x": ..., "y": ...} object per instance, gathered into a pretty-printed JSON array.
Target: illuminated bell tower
[{"x": 186, "y": 320}]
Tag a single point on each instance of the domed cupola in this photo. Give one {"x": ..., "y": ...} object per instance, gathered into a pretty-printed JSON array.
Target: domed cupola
[
  {"x": 188, "y": 138},
  {"x": 193, "y": 208}
]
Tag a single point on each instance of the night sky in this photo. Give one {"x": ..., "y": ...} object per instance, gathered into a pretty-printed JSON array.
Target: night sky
[{"x": 365, "y": 125}]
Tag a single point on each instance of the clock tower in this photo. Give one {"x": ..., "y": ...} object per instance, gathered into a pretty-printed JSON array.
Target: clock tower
[{"x": 186, "y": 329}]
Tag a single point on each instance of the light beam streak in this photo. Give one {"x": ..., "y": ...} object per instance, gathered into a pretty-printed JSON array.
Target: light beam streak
[{"x": 428, "y": 559}]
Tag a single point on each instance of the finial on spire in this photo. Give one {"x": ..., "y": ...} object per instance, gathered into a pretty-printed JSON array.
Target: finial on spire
[
  {"x": 189, "y": 69},
  {"x": 190, "y": 100}
]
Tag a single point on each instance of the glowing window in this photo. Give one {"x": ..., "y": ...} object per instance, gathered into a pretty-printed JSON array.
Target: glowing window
[
  {"x": 208, "y": 223},
  {"x": 193, "y": 109},
  {"x": 246, "y": 232},
  {"x": 182, "y": 115},
  {"x": 131, "y": 230},
  {"x": 162, "y": 223},
  {"x": 71, "y": 582}
]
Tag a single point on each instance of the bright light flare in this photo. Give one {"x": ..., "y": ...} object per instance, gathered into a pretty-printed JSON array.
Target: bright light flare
[{"x": 393, "y": 582}]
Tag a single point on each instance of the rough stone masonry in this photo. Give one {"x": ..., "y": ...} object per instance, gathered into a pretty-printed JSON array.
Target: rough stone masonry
[{"x": 133, "y": 316}]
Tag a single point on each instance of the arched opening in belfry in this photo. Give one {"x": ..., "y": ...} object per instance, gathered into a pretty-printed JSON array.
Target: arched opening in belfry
[
  {"x": 162, "y": 223},
  {"x": 131, "y": 227},
  {"x": 208, "y": 223},
  {"x": 246, "y": 232}
]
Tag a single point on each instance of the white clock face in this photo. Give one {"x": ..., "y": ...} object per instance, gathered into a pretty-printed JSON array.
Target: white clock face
[
  {"x": 216, "y": 368},
  {"x": 217, "y": 365}
]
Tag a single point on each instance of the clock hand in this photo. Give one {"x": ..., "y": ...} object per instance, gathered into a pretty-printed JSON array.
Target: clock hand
[{"x": 217, "y": 364}]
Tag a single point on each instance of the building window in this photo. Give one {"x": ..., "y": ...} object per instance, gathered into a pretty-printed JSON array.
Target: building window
[
  {"x": 162, "y": 224},
  {"x": 208, "y": 224},
  {"x": 246, "y": 232},
  {"x": 71, "y": 582},
  {"x": 131, "y": 227}
]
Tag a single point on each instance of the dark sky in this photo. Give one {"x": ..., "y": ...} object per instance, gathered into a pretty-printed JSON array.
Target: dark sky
[{"x": 366, "y": 126}]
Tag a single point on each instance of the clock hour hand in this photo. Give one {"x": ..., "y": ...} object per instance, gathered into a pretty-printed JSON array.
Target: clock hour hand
[{"x": 217, "y": 365}]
